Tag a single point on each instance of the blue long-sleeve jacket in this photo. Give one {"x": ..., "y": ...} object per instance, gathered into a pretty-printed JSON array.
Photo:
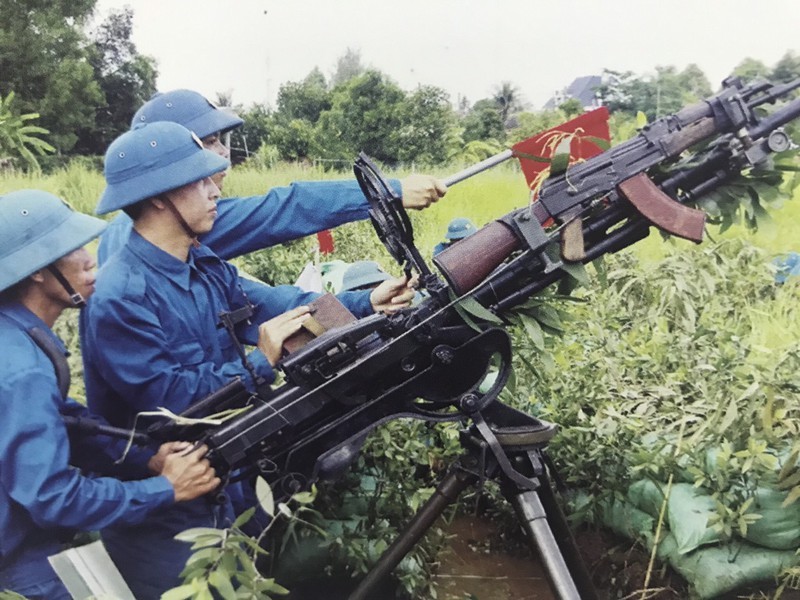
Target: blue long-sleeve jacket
[
  {"x": 150, "y": 337},
  {"x": 40, "y": 492},
  {"x": 284, "y": 213}
]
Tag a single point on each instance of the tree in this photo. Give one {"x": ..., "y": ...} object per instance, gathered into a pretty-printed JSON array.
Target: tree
[
  {"x": 293, "y": 139},
  {"x": 484, "y": 122},
  {"x": 348, "y": 66},
  {"x": 44, "y": 60},
  {"x": 259, "y": 122},
  {"x": 428, "y": 133},
  {"x": 787, "y": 69},
  {"x": 365, "y": 114},
  {"x": 304, "y": 99},
  {"x": 508, "y": 100},
  {"x": 657, "y": 95},
  {"x": 571, "y": 108},
  {"x": 18, "y": 138},
  {"x": 750, "y": 69},
  {"x": 127, "y": 80},
  {"x": 532, "y": 123}
]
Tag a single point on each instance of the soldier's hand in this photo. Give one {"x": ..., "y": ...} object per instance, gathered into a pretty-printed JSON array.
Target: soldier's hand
[
  {"x": 190, "y": 474},
  {"x": 156, "y": 462},
  {"x": 420, "y": 191},
  {"x": 393, "y": 294},
  {"x": 272, "y": 333}
]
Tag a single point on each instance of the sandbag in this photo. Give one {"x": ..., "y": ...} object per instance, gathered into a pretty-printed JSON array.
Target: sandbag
[
  {"x": 688, "y": 511},
  {"x": 779, "y": 527},
  {"x": 715, "y": 570}
]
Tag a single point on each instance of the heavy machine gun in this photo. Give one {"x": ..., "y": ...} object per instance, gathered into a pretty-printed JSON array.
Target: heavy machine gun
[{"x": 428, "y": 362}]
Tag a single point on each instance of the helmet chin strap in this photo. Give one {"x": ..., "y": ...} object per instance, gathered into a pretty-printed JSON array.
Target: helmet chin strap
[
  {"x": 181, "y": 221},
  {"x": 77, "y": 299}
]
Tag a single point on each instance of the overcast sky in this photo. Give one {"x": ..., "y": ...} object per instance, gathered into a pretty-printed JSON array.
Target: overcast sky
[{"x": 467, "y": 47}]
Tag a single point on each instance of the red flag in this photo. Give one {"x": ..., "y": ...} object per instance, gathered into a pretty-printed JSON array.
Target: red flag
[
  {"x": 325, "y": 241},
  {"x": 587, "y": 135}
]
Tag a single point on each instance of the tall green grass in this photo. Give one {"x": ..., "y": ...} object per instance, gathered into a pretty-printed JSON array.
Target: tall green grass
[
  {"x": 79, "y": 185},
  {"x": 481, "y": 198}
]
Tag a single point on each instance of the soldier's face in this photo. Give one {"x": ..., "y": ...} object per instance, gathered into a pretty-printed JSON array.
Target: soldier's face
[
  {"x": 78, "y": 269},
  {"x": 197, "y": 203},
  {"x": 216, "y": 142}
]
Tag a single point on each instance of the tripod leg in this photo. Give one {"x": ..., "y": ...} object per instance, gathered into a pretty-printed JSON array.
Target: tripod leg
[
  {"x": 455, "y": 482},
  {"x": 534, "y": 519},
  {"x": 563, "y": 535}
]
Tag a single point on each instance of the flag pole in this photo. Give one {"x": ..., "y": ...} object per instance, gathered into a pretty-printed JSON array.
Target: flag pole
[{"x": 479, "y": 167}]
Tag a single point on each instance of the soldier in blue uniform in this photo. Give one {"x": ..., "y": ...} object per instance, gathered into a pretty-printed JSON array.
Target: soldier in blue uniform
[
  {"x": 284, "y": 213},
  {"x": 362, "y": 275},
  {"x": 457, "y": 229},
  {"x": 150, "y": 334},
  {"x": 44, "y": 270}
]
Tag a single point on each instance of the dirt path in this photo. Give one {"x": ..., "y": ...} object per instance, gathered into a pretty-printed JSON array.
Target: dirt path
[{"x": 470, "y": 570}]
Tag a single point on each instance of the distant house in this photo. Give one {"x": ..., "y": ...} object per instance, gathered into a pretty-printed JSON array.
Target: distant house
[{"x": 583, "y": 89}]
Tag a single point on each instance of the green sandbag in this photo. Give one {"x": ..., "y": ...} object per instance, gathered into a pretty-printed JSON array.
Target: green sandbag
[
  {"x": 778, "y": 527},
  {"x": 688, "y": 512},
  {"x": 713, "y": 571},
  {"x": 647, "y": 495},
  {"x": 627, "y": 520}
]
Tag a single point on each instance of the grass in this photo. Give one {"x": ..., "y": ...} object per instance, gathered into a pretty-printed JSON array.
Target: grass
[{"x": 481, "y": 198}]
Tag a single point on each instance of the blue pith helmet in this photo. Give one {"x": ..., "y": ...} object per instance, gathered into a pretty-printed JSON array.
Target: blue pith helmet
[
  {"x": 188, "y": 108},
  {"x": 788, "y": 266},
  {"x": 153, "y": 159},
  {"x": 36, "y": 229},
  {"x": 459, "y": 228},
  {"x": 361, "y": 274}
]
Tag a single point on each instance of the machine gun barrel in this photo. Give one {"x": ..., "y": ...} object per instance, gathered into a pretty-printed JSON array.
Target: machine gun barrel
[{"x": 85, "y": 426}]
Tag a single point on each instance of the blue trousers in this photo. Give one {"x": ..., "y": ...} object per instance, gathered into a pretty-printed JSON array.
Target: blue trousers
[{"x": 34, "y": 579}]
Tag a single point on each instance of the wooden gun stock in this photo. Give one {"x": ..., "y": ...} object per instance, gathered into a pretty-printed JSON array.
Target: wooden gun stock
[
  {"x": 661, "y": 210},
  {"x": 469, "y": 261}
]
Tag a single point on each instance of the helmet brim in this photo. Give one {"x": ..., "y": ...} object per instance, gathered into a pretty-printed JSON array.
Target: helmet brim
[
  {"x": 150, "y": 183},
  {"x": 214, "y": 121},
  {"x": 72, "y": 233}
]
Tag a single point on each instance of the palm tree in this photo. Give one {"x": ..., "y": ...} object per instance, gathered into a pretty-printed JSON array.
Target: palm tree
[
  {"x": 19, "y": 140},
  {"x": 508, "y": 99}
]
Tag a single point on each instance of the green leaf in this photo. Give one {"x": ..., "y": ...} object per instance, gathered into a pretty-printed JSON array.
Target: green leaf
[
  {"x": 534, "y": 331},
  {"x": 731, "y": 415},
  {"x": 304, "y": 497},
  {"x": 599, "y": 265},
  {"x": 789, "y": 465},
  {"x": 179, "y": 593},
  {"x": 244, "y": 517},
  {"x": 265, "y": 497},
  {"x": 205, "y": 540},
  {"x": 222, "y": 582},
  {"x": 253, "y": 545},
  {"x": 476, "y": 309},
  {"x": 191, "y": 535},
  {"x": 792, "y": 497},
  {"x": 789, "y": 482},
  {"x": 601, "y": 143},
  {"x": 285, "y": 510},
  {"x": 577, "y": 271},
  {"x": 269, "y": 586},
  {"x": 204, "y": 554},
  {"x": 548, "y": 316}
]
